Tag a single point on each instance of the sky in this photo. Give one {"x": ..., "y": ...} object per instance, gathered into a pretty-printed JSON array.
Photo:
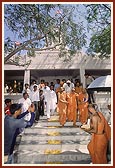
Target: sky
[{"x": 81, "y": 10}]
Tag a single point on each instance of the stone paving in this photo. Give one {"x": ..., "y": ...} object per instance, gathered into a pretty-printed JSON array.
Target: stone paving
[
  {"x": 49, "y": 143},
  {"x": 46, "y": 142}
]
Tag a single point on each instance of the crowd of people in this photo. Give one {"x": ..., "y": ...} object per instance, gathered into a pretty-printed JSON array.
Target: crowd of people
[
  {"x": 13, "y": 87},
  {"x": 70, "y": 101},
  {"x": 67, "y": 98}
]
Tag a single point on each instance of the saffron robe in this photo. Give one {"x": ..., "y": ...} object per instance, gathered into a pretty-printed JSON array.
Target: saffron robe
[
  {"x": 62, "y": 107},
  {"x": 98, "y": 145},
  {"x": 72, "y": 107},
  {"x": 82, "y": 107}
]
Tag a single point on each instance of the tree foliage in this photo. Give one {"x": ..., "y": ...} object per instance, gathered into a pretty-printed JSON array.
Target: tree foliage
[
  {"x": 44, "y": 26},
  {"x": 99, "y": 23}
]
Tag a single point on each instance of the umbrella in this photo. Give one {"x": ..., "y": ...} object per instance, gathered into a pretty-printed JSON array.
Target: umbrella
[{"x": 102, "y": 83}]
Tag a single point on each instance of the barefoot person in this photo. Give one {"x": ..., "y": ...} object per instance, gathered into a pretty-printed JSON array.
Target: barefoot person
[
  {"x": 62, "y": 106},
  {"x": 101, "y": 134}
]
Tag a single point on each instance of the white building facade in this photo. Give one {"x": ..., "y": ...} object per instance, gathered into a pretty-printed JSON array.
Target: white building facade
[{"x": 49, "y": 66}]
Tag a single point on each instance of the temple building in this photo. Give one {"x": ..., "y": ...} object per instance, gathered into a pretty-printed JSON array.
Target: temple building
[{"x": 49, "y": 66}]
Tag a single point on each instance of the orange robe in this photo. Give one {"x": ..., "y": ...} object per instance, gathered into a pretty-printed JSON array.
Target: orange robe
[
  {"x": 82, "y": 107},
  {"x": 78, "y": 89},
  {"x": 62, "y": 107},
  {"x": 98, "y": 145},
  {"x": 72, "y": 107}
]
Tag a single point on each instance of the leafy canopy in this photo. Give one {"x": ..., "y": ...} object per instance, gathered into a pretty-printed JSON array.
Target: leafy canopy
[
  {"x": 45, "y": 26},
  {"x": 99, "y": 23}
]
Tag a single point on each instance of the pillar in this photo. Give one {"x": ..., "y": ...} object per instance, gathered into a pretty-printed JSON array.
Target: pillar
[
  {"x": 82, "y": 77},
  {"x": 27, "y": 76}
]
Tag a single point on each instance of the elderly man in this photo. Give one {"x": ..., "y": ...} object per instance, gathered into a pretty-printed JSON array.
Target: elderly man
[{"x": 68, "y": 86}]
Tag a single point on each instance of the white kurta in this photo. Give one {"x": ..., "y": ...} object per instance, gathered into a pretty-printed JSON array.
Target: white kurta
[
  {"x": 68, "y": 89},
  {"x": 46, "y": 92},
  {"x": 53, "y": 99},
  {"x": 34, "y": 96},
  {"x": 26, "y": 103}
]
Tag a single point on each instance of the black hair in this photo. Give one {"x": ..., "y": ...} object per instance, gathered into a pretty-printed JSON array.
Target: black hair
[
  {"x": 7, "y": 101},
  {"x": 14, "y": 107},
  {"x": 24, "y": 93},
  {"x": 26, "y": 84}
]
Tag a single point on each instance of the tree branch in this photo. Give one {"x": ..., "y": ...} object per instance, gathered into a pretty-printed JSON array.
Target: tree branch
[
  {"x": 11, "y": 62},
  {"x": 22, "y": 47},
  {"x": 41, "y": 49},
  {"x": 107, "y": 7}
]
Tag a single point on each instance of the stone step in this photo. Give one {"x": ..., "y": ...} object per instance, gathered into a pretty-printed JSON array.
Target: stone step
[
  {"x": 36, "y": 146},
  {"x": 66, "y": 136},
  {"x": 66, "y": 157},
  {"x": 55, "y": 124},
  {"x": 48, "y": 130},
  {"x": 49, "y": 143}
]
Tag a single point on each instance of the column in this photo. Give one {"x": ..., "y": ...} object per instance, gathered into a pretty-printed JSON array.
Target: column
[
  {"x": 82, "y": 77},
  {"x": 27, "y": 76}
]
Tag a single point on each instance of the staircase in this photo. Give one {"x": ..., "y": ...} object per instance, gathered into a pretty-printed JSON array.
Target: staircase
[{"x": 46, "y": 142}]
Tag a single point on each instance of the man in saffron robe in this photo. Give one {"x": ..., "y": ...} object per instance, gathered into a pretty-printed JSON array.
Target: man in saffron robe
[
  {"x": 101, "y": 134},
  {"x": 72, "y": 106},
  {"x": 62, "y": 106},
  {"x": 78, "y": 87},
  {"x": 82, "y": 106}
]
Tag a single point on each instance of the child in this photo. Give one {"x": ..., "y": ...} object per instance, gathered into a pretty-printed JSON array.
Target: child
[{"x": 7, "y": 108}]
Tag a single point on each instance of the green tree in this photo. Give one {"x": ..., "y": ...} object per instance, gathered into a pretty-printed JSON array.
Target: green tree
[
  {"x": 45, "y": 26},
  {"x": 99, "y": 24}
]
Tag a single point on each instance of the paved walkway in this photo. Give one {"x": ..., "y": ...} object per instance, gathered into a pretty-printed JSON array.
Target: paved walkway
[{"x": 46, "y": 142}]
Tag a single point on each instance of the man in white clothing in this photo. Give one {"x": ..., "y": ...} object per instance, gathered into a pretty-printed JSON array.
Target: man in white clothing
[
  {"x": 46, "y": 92},
  {"x": 26, "y": 102},
  {"x": 68, "y": 86},
  {"x": 52, "y": 100},
  {"x": 27, "y": 89},
  {"x": 32, "y": 85},
  {"x": 35, "y": 98}
]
